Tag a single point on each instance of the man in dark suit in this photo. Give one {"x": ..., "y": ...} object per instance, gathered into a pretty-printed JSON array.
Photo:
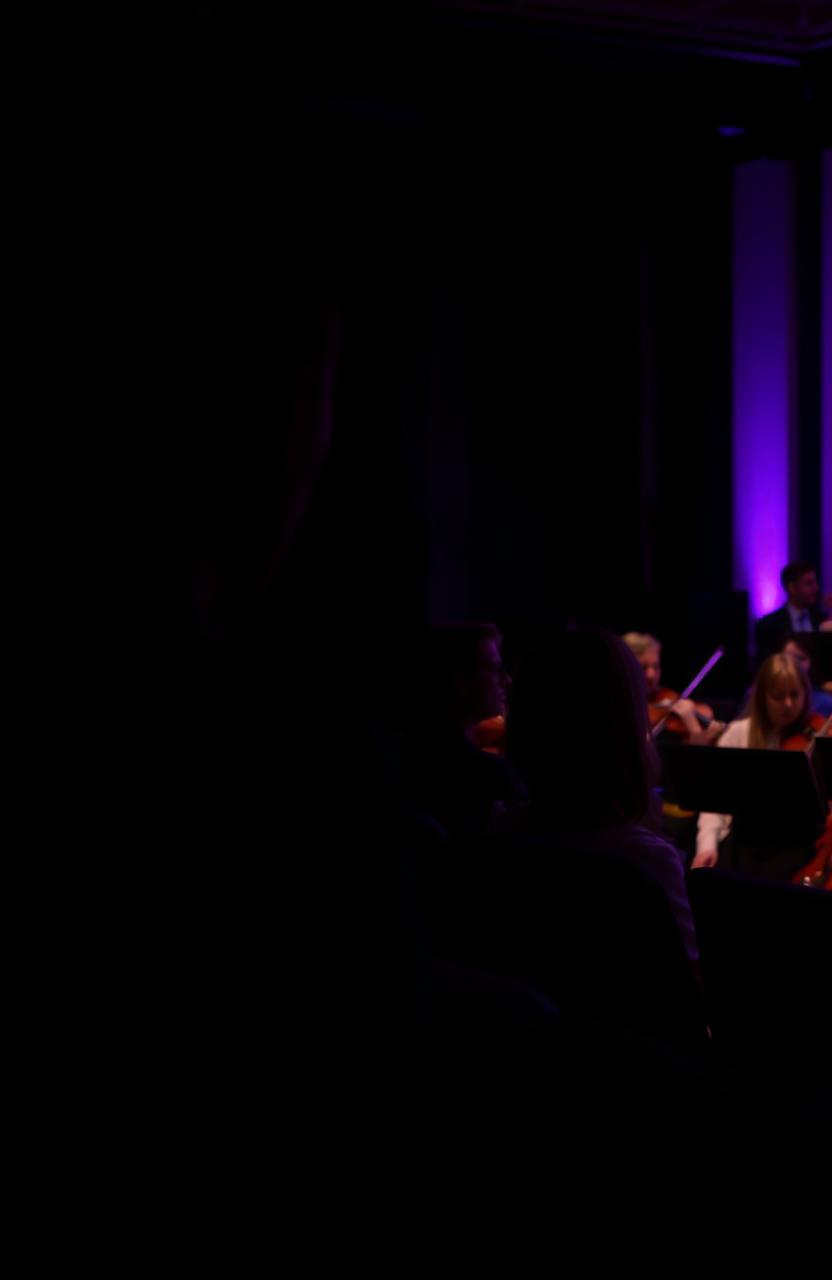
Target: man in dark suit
[{"x": 799, "y": 613}]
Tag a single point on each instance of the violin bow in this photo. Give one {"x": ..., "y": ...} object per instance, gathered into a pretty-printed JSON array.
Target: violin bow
[{"x": 695, "y": 682}]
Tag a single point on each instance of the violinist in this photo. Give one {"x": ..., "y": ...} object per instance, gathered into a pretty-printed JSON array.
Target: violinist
[
  {"x": 692, "y": 722},
  {"x": 460, "y": 682},
  {"x": 799, "y": 648},
  {"x": 778, "y": 718}
]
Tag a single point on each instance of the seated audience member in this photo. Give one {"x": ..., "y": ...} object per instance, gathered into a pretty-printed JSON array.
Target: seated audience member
[
  {"x": 778, "y": 710},
  {"x": 694, "y": 723},
  {"x": 461, "y": 682},
  {"x": 799, "y": 613},
  {"x": 591, "y": 786}
]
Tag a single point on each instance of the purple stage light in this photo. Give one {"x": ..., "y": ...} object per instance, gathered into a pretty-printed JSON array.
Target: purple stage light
[
  {"x": 764, "y": 377},
  {"x": 826, "y": 376}
]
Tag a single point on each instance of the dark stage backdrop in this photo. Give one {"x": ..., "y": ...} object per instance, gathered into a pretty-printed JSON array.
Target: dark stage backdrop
[{"x": 532, "y": 248}]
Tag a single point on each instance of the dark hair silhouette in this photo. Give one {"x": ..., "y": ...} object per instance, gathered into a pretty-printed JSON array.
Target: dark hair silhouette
[
  {"x": 577, "y": 730},
  {"x": 793, "y": 570}
]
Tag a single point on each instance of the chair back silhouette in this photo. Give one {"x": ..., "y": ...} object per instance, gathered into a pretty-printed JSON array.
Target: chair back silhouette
[
  {"x": 592, "y": 932},
  {"x": 766, "y": 951}
]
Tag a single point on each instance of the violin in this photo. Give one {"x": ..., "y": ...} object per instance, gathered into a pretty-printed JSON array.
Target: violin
[
  {"x": 817, "y": 726},
  {"x": 702, "y": 712},
  {"x": 660, "y": 711},
  {"x": 817, "y": 874},
  {"x": 490, "y": 735}
]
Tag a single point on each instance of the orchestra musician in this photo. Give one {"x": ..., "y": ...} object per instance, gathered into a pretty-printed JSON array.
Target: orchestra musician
[
  {"x": 800, "y": 612},
  {"x": 778, "y": 717},
  {"x": 693, "y": 722},
  {"x": 799, "y": 648}
]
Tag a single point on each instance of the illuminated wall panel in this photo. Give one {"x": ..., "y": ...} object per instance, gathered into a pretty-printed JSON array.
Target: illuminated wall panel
[
  {"x": 826, "y": 375},
  {"x": 764, "y": 377}
]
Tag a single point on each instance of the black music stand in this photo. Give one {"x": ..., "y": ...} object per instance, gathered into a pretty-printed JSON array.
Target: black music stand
[
  {"x": 822, "y": 643},
  {"x": 822, "y": 757},
  {"x": 773, "y": 796}
]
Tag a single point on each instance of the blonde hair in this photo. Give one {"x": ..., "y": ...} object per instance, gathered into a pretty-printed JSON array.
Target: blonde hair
[
  {"x": 774, "y": 673},
  {"x": 640, "y": 642}
]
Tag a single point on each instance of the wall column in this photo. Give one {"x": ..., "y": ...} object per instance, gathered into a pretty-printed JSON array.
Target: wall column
[{"x": 764, "y": 377}]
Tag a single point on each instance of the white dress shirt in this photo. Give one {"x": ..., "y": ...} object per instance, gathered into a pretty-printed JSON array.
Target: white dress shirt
[{"x": 800, "y": 619}]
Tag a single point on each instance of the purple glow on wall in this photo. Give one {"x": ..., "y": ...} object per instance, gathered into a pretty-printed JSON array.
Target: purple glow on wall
[
  {"x": 764, "y": 377},
  {"x": 826, "y": 377}
]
